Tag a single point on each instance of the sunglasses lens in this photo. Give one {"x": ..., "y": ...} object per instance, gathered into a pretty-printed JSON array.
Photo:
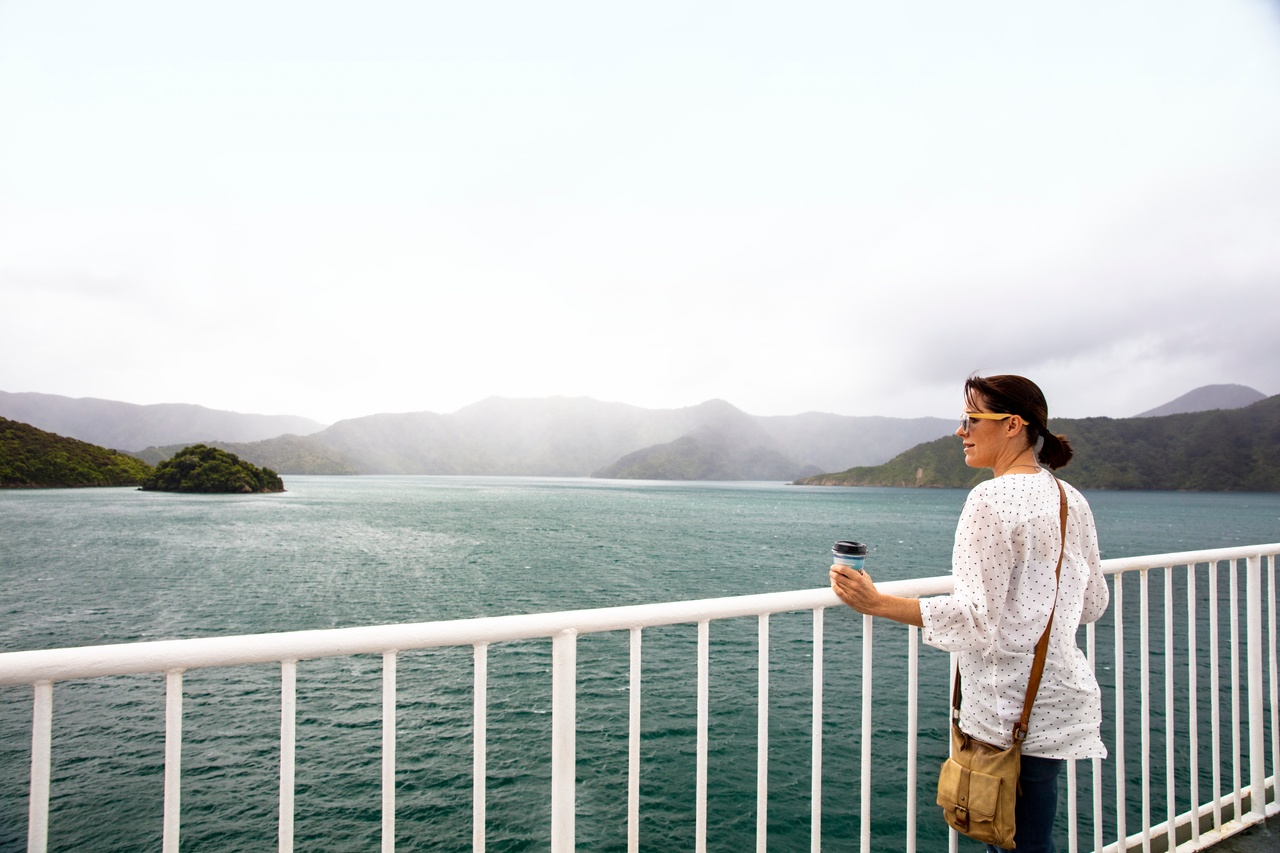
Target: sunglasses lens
[{"x": 964, "y": 423}]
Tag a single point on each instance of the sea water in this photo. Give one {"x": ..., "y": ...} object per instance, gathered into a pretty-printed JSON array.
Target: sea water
[{"x": 94, "y": 566}]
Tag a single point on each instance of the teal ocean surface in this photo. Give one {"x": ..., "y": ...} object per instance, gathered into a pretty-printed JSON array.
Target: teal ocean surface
[{"x": 98, "y": 566}]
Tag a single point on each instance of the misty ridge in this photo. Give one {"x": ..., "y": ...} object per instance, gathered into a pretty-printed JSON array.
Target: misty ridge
[{"x": 554, "y": 436}]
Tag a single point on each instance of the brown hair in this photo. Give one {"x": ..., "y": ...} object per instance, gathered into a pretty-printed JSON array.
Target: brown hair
[{"x": 1017, "y": 395}]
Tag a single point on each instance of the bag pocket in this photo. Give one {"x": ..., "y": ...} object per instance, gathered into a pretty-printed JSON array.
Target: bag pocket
[{"x": 963, "y": 789}]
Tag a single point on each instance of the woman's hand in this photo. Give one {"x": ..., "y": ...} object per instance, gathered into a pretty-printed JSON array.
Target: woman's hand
[{"x": 854, "y": 588}]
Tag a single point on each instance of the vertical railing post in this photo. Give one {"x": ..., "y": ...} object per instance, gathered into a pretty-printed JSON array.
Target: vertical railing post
[
  {"x": 1274, "y": 679},
  {"x": 815, "y": 770},
  {"x": 172, "y": 760},
  {"x": 762, "y": 737},
  {"x": 564, "y": 725},
  {"x": 288, "y": 749},
  {"x": 1236, "y": 783},
  {"x": 1257, "y": 713},
  {"x": 633, "y": 745},
  {"x": 41, "y": 758},
  {"x": 868, "y": 660},
  {"x": 953, "y": 668},
  {"x": 1091, "y": 635},
  {"x": 704, "y": 711},
  {"x": 1144, "y": 647},
  {"x": 1170, "y": 780},
  {"x": 1215, "y": 712},
  {"x": 479, "y": 745},
  {"x": 1193, "y": 711},
  {"x": 388, "y": 751},
  {"x": 913, "y": 740},
  {"x": 1117, "y": 598}
]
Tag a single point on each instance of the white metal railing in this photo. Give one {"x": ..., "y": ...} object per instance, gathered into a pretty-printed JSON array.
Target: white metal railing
[{"x": 1206, "y": 822}]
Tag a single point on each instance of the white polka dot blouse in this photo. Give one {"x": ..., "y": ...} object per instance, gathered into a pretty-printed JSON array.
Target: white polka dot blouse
[{"x": 1006, "y": 549}]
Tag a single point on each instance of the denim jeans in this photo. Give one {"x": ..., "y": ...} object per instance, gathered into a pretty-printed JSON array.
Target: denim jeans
[{"x": 1037, "y": 805}]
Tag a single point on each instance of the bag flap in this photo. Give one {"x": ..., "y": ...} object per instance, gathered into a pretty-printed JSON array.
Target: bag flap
[{"x": 984, "y": 795}]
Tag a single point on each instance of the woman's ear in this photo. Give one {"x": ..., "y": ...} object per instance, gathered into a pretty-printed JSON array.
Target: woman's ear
[{"x": 1015, "y": 425}]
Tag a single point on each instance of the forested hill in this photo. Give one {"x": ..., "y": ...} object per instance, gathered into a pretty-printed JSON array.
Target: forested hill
[
  {"x": 33, "y": 458},
  {"x": 1233, "y": 450}
]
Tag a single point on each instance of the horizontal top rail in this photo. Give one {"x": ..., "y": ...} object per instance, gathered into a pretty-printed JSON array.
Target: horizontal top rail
[
  {"x": 1117, "y": 565},
  {"x": 50, "y": 665}
]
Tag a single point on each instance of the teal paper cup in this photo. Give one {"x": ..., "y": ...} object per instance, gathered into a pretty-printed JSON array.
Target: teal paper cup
[{"x": 849, "y": 553}]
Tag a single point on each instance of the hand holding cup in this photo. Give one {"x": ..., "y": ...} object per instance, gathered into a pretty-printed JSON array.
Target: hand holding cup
[{"x": 849, "y": 580}]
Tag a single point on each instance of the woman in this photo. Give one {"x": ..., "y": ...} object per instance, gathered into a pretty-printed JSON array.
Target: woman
[{"x": 1003, "y": 561}]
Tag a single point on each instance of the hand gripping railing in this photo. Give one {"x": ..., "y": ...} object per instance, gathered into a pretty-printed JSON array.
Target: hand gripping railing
[{"x": 43, "y": 668}]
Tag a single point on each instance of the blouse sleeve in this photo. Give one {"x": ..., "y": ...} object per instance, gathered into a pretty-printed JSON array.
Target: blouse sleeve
[
  {"x": 1097, "y": 594},
  {"x": 982, "y": 564}
]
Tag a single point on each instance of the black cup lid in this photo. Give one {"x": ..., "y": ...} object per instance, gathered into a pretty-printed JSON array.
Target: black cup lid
[{"x": 850, "y": 548}]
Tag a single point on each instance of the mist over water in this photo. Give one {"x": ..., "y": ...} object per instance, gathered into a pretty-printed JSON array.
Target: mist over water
[{"x": 115, "y": 565}]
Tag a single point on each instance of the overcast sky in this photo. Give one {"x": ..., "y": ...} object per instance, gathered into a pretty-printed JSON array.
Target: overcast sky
[{"x": 337, "y": 209}]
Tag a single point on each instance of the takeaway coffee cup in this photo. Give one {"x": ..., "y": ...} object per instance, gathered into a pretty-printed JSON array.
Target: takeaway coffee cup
[{"x": 849, "y": 553}]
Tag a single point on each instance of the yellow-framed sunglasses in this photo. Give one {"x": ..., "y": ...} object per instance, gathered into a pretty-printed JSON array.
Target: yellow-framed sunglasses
[{"x": 986, "y": 416}]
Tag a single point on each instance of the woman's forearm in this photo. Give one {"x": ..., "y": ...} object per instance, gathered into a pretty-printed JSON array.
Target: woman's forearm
[
  {"x": 855, "y": 588},
  {"x": 899, "y": 609}
]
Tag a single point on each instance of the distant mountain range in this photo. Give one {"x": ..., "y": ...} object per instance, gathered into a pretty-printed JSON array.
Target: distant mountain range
[
  {"x": 127, "y": 426},
  {"x": 556, "y": 436},
  {"x": 580, "y": 437}
]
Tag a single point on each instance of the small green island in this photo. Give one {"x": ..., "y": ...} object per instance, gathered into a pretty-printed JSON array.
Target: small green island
[{"x": 208, "y": 470}]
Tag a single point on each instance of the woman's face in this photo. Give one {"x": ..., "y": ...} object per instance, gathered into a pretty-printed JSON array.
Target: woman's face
[{"x": 986, "y": 438}]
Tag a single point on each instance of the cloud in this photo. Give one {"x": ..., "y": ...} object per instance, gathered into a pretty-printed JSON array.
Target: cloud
[{"x": 846, "y": 208}]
